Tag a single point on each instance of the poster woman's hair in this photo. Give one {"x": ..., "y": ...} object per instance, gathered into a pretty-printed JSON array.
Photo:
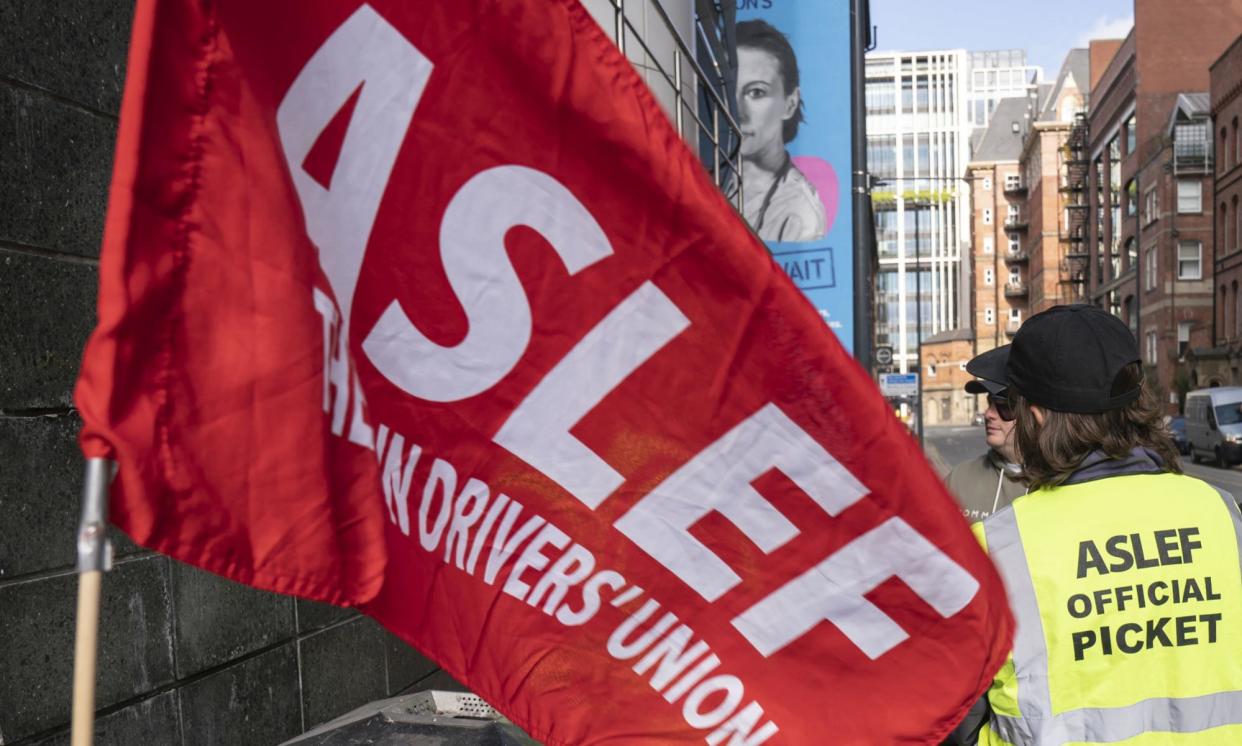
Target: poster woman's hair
[{"x": 762, "y": 35}]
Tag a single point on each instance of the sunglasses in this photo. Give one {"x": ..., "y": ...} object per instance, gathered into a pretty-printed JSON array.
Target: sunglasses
[{"x": 1003, "y": 408}]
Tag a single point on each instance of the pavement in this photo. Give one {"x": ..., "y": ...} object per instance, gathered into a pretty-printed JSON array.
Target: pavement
[{"x": 947, "y": 446}]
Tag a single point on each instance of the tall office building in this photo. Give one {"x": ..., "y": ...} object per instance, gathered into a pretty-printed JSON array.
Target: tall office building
[{"x": 922, "y": 108}]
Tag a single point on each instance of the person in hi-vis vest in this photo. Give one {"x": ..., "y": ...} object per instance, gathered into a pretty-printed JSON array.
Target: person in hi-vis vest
[{"x": 1123, "y": 573}]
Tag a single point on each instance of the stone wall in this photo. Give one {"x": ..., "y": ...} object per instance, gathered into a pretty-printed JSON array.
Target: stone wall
[{"x": 185, "y": 657}]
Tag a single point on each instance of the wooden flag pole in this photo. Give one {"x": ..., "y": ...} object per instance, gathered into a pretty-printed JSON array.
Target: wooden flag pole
[{"x": 94, "y": 559}]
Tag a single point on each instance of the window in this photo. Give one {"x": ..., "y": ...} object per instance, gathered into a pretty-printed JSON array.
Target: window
[
  {"x": 1189, "y": 260},
  {"x": 1015, "y": 316},
  {"x": 1183, "y": 337},
  {"x": 989, "y": 315},
  {"x": 1189, "y": 195},
  {"x": 882, "y": 156},
  {"x": 1224, "y": 225},
  {"x": 987, "y": 183},
  {"x": 1237, "y": 321},
  {"x": 1223, "y": 309},
  {"x": 1015, "y": 246},
  {"x": 881, "y": 96},
  {"x": 931, "y": 370},
  {"x": 989, "y": 245},
  {"x": 1149, "y": 272},
  {"x": 1015, "y": 277},
  {"x": 988, "y": 277},
  {"x": 1151, "y": 206},
  {"x": 1224, "y": 148},
  {"x": 1132, "y": 198},
  {"x": 1131, "y": 135},
  {"x": 1237, "y": 238},
  {"x": 1013, "y": 181},
  {"x": 1131, "y": 254},
  {"x": 1011, "y": 213},
  {"x": 987, "y": 216},
  {"x": 1151, "y": 348}
]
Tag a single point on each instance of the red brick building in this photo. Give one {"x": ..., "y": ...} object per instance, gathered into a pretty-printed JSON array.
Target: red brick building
[
  {"x": 1149, "y": 216},
  {"x": 1218, "y": 364},
  {"x": 1052, "y": 231},
  {"x": 995, "y": 199}
]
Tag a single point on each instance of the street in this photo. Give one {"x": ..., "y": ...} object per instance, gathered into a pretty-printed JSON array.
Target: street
[{"x": 947, "y": 446}]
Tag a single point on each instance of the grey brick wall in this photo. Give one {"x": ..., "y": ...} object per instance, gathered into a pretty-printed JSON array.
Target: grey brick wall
[{"x": 185, "y": 657}]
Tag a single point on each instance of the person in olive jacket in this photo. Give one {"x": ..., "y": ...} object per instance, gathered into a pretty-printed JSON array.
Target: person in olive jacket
[{"x": 988, "y": 482}]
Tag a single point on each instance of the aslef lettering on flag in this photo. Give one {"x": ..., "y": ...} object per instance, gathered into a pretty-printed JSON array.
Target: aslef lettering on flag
[{"x": 425, "y": 307}]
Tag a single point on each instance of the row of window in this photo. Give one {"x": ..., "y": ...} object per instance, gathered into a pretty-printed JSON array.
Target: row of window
[
  {"x": 1230, "y": 328},
  {"x": 989, "y": 316},
  {"x": 1151, "y": 353},
  {"x": 1012, "y": 214},
  {"x": 989, "y": 246},
  {"x": 1015, "y": 276},
  {"x": 1012, "y": 181},
  {"x": 1189, "y": 199},
  {"x": 1226, "y": 223},
  {"x": 923, "y": 154},
  {"x": 1189, "y": 263},
  {"x": 919, "y": 95}
]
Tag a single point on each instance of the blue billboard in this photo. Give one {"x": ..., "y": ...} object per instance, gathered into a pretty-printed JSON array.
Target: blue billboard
[{"x": 793, "y": 97}]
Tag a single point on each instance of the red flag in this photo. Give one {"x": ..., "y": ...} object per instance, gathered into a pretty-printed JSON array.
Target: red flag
[{"x": 425, "y": 307}]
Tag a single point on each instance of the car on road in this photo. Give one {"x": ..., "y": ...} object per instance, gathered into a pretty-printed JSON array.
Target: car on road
[
  {"x": 1214, "y": 425},
  {"x": 1177, "y": 429}
]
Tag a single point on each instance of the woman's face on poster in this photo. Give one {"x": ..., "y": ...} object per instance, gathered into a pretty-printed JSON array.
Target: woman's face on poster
[{"x": 763, "y": 103}]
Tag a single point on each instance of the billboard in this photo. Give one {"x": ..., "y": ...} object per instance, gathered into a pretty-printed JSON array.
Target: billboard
[{"x": 793, "y": 97}]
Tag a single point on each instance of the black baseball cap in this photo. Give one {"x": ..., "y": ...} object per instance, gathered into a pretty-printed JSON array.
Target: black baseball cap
[
  {"x": 984, "y": 386},
  {"x": 989, "y": 370},
  {"x": 1066, "y": 359}
]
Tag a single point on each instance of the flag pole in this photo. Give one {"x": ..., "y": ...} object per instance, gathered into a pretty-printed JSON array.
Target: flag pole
[{"x": 94, "y": 559}]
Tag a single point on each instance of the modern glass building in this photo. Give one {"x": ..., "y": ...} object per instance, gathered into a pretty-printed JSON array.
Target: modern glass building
[{"x": 922, "y": 108}]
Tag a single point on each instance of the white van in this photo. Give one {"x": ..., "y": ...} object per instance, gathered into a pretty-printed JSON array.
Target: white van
[{"x": 1214, "y": 425}]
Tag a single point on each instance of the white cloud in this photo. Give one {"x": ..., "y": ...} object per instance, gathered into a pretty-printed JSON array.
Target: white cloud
[{"x": 1106, "y": 28}]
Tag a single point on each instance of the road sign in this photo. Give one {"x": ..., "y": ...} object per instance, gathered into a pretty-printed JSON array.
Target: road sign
[
  {"x": 899, "y": 384},
  {"x": 884, "y": 355}
]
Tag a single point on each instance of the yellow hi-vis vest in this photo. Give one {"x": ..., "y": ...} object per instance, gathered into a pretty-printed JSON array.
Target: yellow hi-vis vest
[{"x": 1127, "y": 593}]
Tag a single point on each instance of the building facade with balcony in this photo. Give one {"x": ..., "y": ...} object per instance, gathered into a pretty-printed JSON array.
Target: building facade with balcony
[
  {"x": 1218, "y": 364},
  {"x": 997, "y": 193},
  {"x": 1053, "y": 173},
  {"x": 1150, "y": 218}
]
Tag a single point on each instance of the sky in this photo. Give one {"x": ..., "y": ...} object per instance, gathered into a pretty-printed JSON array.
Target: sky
[{"x": 1046, "y": 29}]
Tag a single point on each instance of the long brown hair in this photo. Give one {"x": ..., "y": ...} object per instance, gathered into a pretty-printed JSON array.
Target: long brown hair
[{"x": 1053, "y": 451}]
